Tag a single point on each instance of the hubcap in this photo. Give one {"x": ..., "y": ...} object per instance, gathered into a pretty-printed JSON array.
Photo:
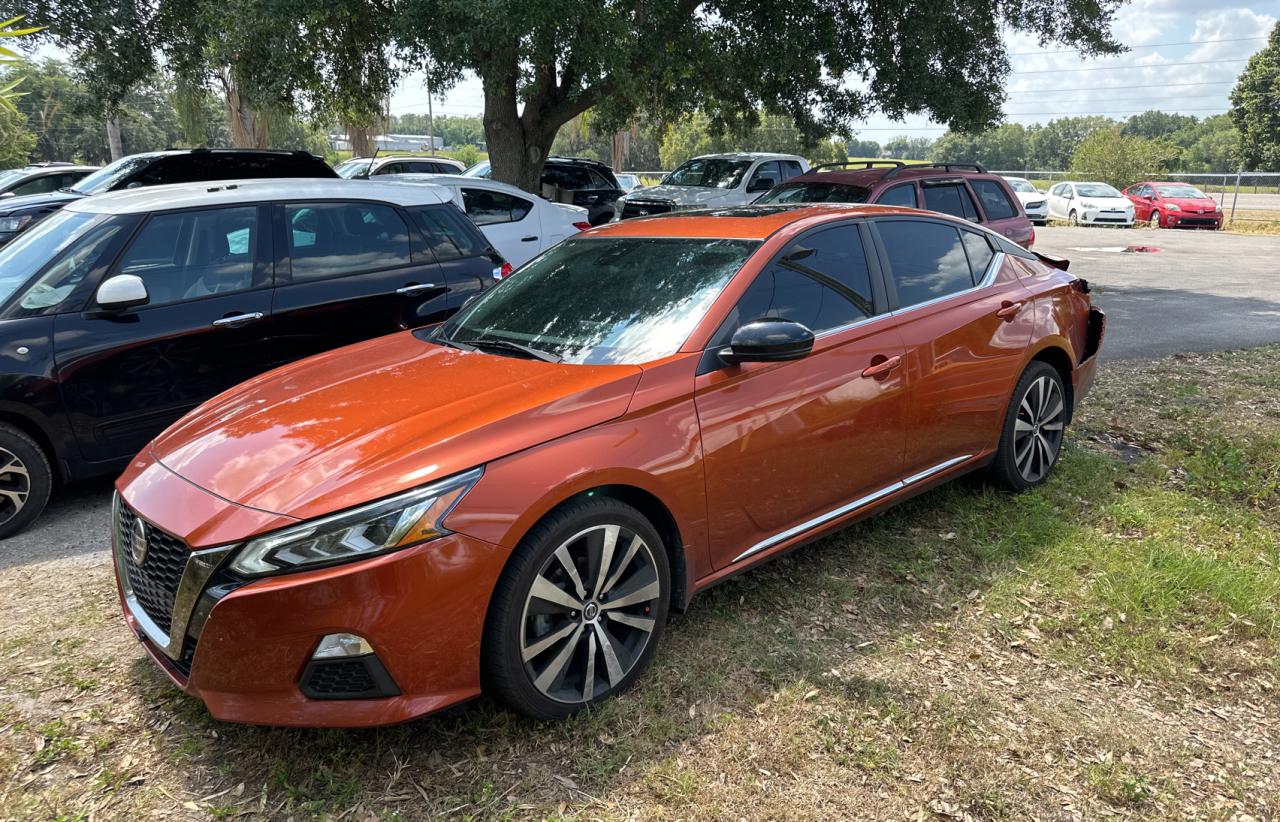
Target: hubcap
[
  {"x": 1037, "y": 430},
  {"x": 589, "y": 615},
  {"x": 15, "y": 485}
]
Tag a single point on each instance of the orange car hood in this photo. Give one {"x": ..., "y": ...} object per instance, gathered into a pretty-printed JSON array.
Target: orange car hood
[{"x": 373, "y": 419}]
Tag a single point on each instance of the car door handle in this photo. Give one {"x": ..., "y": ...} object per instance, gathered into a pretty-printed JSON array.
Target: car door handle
[
  {"x": 237, "y": 320},
  {"x": 527, "y": 239},
  {"x": 1008, "y": 310},
  {"x": 880, "y": 369},
  {"x": 414, "y": 289}
]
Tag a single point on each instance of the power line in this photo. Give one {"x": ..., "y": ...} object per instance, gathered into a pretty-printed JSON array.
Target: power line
[
  {"x": 1114, "y": 88},
  {"x": 1179, "y": 64},
  {"x": 1146, "y": 46},
  {"x": 1109, "y": 111}
]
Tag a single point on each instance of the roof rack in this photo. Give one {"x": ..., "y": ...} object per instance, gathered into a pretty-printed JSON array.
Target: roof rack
[
  {"x": 860, "y": 164},
  {"x": 587, "y": 160},
  {"x": 947, "y": 167}
]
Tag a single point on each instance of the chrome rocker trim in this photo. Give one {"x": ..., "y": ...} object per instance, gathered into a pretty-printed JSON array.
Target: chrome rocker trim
[
  {"x": 200, "y": 566},
  {"x": 861, "y": 502}
]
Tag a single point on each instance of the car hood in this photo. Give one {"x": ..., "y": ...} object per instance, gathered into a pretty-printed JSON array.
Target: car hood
[
  {"x": 684, "y": 195},
  {"x": 1193, "y": 203},
  {"x": 14, "y": 205},
  {"x": 1025, "y": 197},
  {"x": 380, "y": 417}
]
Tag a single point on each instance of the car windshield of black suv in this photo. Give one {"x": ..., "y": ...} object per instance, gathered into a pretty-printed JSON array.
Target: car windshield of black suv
[
  {"x": 607, "y": 300},
  {"x": 814, "y": 193},
  {"x": 709, "y": 173},
  {"x": 104, "y": 179},
  {"x": 1189, "y": 192}
]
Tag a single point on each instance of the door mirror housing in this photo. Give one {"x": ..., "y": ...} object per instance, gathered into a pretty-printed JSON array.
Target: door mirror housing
[
  {"x": 762, "y": 183},
  {"x": 768, "y": 341},
  {"x": 122, "y": 291}
]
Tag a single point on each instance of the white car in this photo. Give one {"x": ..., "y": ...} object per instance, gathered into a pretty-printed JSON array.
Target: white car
[
  {"x": 714, "y": 180},
  {"x": 1034, "y": 201},
  {"x": 362, "y": 168},
  {"x": 519, "y": 225},
  {"x": 1090, "y": 204}
]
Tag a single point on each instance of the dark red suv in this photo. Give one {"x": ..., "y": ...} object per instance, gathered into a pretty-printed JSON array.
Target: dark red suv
[{"x": 964, "y": 190}]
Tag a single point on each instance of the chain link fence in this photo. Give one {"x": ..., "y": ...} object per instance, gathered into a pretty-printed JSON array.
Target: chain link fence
[{"x": 1246, "y": 196}]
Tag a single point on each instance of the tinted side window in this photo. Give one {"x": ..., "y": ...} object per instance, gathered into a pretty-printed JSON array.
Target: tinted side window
[
  {"x": 39, "y": 185},
  {"x": 899, "y": 195},
  {"x": 194, "y": 254},
  {"x": 390, "y": 168},
  {"x": 950, "y": 198},
  {"x": 486, "y": 207},
  {"x": 770, "y": 170},
  {"x": 927, "y": 260},
  {"x": 979, "y": 251},
  {"x": 994, "y": 201},
  {"x": 329, "y": 239},
  {"x": 573, "y": 178},
  {"x": 448, "y": 233},
  {"x": 834, "y": 258},
  {"x": 791, "y": 168}
]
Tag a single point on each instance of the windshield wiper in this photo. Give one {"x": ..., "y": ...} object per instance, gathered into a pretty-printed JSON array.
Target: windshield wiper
[{"x": 508, "y": 345}]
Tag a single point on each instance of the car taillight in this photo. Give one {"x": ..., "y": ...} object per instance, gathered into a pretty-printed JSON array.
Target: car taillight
[
  {"x": 503, "y": 271},
  {"x": 582, "y": 226},
  {"x": 1032, "y": 241}
]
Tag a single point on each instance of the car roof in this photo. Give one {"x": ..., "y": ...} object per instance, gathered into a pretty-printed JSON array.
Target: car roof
[
  {"x": 869, "y": 177},
  {"x": 749, "y": 155},
  {"x": 389, "y": 157},
  {"x": 748, "y": 222},
  {"x": 232, "y": 192},
  {"x": 54, "y": 168},
  {"x": 454, "y": 180}
]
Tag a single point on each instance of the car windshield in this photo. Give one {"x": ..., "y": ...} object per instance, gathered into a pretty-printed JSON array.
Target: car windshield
[
  {"x": 815, "y": 193},
  {"x": 709, "y": 173},
  {"x": 10, "y": 175},
  {"x": 1021, "y": 185},
  {"x": 31, "y": 250},
  {"x": 480, "y": 169},
  {"x": 351, "y": 168},
  {"x": 1096, "y": 190},
  {"x": 604, "y": 300},
  {"x": 107, "y": 177},
  {"x": 1190, "y": 192}
]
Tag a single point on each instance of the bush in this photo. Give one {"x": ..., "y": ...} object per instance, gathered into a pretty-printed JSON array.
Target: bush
[
  {"x": 467, "y": 155},
  {"x": 16, "y": 142},
  {"x": 1120, "y": 159}
]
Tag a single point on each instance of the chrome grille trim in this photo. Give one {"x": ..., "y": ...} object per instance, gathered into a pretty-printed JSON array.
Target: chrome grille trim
[{"x": 199, "y": 566}]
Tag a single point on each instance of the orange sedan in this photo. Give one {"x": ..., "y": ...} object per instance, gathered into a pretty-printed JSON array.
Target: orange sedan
[{"x": 513, "y": 502}]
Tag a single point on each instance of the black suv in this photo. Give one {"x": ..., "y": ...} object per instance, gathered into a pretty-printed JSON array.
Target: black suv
[
  {"x": 122, "y": 312},
  {"x": 573, "y": 180},
  {"x": 159, "y": 168}
]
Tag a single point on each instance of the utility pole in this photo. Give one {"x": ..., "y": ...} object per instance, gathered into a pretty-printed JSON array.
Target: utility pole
[{"x": 1236, "y": 196}]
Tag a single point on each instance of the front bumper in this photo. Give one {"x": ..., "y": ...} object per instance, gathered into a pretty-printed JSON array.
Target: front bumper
[
  {"x": 1099, "y": 217},
  {"x": 1192, "y": 219},
  {"x": 245, "y": 652}
]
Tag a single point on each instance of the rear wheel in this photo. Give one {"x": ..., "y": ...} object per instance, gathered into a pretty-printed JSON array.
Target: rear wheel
[
  {"x": 25, "y": 480},
  {"x": 1033, "y": 427},
  {"x": 578, "y": 611}
]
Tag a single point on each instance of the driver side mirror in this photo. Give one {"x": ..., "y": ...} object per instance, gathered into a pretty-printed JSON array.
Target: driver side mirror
[
  {"x": 4, "y": 195},
  {"x": 122, "y": 291},
  {"x": 768, "y": 341},
  {"x": 761, "y": 183}
]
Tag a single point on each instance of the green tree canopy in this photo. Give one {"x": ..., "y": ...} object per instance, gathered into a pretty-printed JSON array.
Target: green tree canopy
[
  {"x": 694, "y": 134},
  {"x": 1255, "y": 107},
  {"x": 1003, "y": 148},
  {"x": 1121, "y": 159},
  {"x": 908, "y": 148}
]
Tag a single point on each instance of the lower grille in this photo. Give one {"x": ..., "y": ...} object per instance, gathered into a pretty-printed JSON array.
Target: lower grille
[
  {"x": 1201, "y": 221},
  {"x": 642, "y": 208},
  {"x": 361, "y": 677},
  {"x": 155, "y": 580}
]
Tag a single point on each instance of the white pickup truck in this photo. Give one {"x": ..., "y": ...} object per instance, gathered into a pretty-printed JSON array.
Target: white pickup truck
[{"x": 712, "y": 181}]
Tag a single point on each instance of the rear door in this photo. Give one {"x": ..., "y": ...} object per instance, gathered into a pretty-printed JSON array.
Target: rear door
[
  {"x": 1001, "y": 211},
  {"x": 126, "y": 375},
  {"x": 470, "y": 264},
  {"x": 511, "y": 223},
  {"x": 349, "y": 271}
]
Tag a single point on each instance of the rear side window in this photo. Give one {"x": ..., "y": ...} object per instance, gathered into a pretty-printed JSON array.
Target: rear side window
[
  {"x": 994, "y": 201},
  {"x": 950, "y": 198},
  {"x": 791, "y": 168},
  {"x": 486, "y": 207},
  {"x": 821, "y": 282},
  {"x": 573, "y": 178},
  {"x": 332, "y": 239},
  {"x": 899, "y": 195},
  {"x": 40, "y": 185},
  {"x": 448, "y": 233},
  {"x": 979, "y": 251},
  {"x": 927, "y": 260}
]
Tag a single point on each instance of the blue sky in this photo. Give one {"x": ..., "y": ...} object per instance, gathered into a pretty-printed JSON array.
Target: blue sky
[{"x": 1048, "y": 82}]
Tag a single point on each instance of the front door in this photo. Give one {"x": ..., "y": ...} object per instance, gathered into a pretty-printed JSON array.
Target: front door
[
  {"x": 352, "y": 271},
  {"x": 126, "y": 375},
  {"x": 785, "y": 443}
]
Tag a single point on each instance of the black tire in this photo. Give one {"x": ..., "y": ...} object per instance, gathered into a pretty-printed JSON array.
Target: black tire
[
  {"x": 1022, "y": 462},
  {"x": 1154, "y": 220},
  {"x": 1074, "y": 218},
  {"x": 518, "y": 621},
  {"x": 26, "y": 480}
]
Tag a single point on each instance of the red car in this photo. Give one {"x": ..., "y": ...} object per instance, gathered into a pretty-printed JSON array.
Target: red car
[
  {"x": 511, "y": 502},
  {"x": 1173, "y": 205}
]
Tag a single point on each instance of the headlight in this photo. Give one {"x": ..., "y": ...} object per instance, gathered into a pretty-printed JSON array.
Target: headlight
[
  {"x": 369, "y": 530},
  {"x": 1172, "y": 207},
  {"x": 10, "y": 224}
]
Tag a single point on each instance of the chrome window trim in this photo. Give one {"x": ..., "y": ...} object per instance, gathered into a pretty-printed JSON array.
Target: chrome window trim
[
  {"x": 200, "y": 566},
  {"x": 836, "y": 513},
  {"x": 988, "y": 277}
]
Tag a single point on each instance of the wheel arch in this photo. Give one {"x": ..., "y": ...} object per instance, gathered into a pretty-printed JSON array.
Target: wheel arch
[
  {"x": 1056, "y": 355},
  {"x": 37, "y": 431}
]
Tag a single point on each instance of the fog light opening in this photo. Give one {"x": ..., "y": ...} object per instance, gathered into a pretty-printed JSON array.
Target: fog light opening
[{"x": 340, "y": 646}]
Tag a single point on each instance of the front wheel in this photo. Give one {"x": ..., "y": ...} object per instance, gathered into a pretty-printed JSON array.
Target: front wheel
[
  {"x": 1074, "y": 218},
  {"x": 578, "y": 611},
  {"x": 1154, "y": 222},
  {"x": 25, "y": 480},
  {"x": 1033, "y": 427}
]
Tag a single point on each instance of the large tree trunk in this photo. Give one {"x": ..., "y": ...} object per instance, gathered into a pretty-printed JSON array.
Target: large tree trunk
[
  {"x": 114, "y": 143},
  {"x": 249, "y": 127},
  {"x": 361, "y": 139}
]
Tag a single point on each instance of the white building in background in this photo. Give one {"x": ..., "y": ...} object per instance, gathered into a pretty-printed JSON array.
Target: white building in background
[{"x": 391, "y": 142}]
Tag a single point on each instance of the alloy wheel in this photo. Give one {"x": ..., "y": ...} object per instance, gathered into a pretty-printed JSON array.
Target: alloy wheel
[
  {"x": 15, "y": 485},
  {"x": 1037, "y": 430},
  {"x": 1155, "y": 219},
  {"x": 589, "y": 614}
]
